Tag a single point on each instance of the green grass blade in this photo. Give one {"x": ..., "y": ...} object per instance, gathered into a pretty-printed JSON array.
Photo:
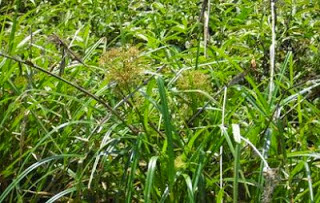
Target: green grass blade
[
  {"x": 308, "y": 172},
  {"x": 189, "y": 188},
  {"x": 149, "y": 180},
  {"x": 168, "y": 130},
  {"x": 61, "y": 194},
  {"x": 134, "y": 163}
]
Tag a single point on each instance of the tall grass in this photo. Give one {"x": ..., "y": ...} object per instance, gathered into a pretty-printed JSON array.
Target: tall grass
[{"x": 140, "y": 101}]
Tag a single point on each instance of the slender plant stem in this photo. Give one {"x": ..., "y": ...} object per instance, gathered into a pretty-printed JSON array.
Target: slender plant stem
[
  {"x": 236, "y": 173},
  {"x": 222, "y": 133},
  {"x": 206, "y": 28},
  {"x": 272, "y": 49}
]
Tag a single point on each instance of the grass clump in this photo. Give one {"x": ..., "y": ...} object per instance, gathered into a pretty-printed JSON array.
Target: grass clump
[{"x": 135, "y": 107}]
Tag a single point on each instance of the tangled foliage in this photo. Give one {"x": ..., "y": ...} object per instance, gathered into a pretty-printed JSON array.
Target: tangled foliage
[{"x": 59, "y": 144}]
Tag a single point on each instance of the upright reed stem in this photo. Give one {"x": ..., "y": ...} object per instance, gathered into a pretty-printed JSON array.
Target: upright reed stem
[
  {"x": 206, "y": 28},
  {"x": 222, "y": 133},
  {"x": 272, "y": 49}
]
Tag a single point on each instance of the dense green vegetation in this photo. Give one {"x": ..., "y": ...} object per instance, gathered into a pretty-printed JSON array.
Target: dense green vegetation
[{"x": 125, "y": 101}]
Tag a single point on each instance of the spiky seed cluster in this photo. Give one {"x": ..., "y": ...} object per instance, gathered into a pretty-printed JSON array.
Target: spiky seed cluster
[
  {"x": 179, "y": 163},
  {"x": 124, "y": 66},
  {"x": 20, "y": 81},
  {"x": 194, "y": 79}
]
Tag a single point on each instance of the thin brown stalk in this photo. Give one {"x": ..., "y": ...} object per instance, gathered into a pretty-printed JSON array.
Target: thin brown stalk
[
  {"x": 203, "y": 9},
  {"x": 56, "y": 39}
]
